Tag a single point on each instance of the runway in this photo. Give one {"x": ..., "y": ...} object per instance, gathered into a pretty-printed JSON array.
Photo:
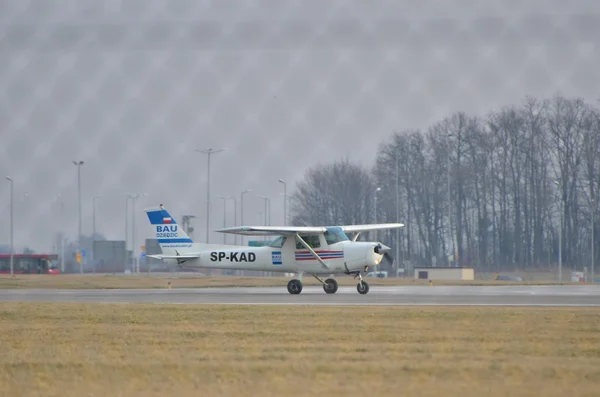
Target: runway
[{"x": 587, "y": 295}]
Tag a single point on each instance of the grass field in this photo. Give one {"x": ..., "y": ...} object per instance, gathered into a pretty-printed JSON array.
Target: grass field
[
  {"x": 72, "y": 281},
  {"x": 157, "y": 350}
]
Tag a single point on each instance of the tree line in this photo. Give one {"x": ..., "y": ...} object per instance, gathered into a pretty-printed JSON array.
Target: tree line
[{"x": 505, "y": 191}]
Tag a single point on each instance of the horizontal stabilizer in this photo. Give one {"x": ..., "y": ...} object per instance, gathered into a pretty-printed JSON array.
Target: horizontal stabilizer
[{"x": 186, "y": 256}]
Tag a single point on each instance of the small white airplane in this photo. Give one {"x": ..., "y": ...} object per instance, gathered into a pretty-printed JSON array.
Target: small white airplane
[{"x": 316, "y": 250}]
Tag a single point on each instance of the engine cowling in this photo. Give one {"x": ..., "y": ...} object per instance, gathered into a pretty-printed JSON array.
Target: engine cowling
[{"x": 360, "y": 254}]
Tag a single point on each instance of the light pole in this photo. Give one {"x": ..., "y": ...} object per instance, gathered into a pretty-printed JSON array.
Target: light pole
[
  {"x": 234, "y": 216},
  {"x": 78, "y": 164},
  {"x": 133, "y": 244},
  {"x": 208, "y": 152},
  {"x": 127, "y": 197},
  {"x": 560, "y": 232},
  {"x": 593, "y": 240},
  {"x": 94, "y": 232},
  {"x": 284, "y": 201},
  {"x": 267, "y": 209},
  {"x": 224, "y": 217},
  {"x": 185, "y": 224},
  {"x": 378, "y": 189},
  {"x": 451, "y": 232},
  {"x": 592, "y": 202},
  {"x": 12, "y": 248},
  {"x": 266, "y": 213},
  {"x": 398, "y": 218},
  {"x": 242, "y": 210},
  {"x": 62, "y": 236},
  {"x": 375, "y": 208}
]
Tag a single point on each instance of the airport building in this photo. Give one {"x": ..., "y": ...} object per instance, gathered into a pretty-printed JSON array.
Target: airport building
[
  {"x": 111, "y": 256},
  {"x": 444, "y": 273}
]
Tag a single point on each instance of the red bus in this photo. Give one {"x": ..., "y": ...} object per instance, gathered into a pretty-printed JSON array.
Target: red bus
[{"x": 30, "y": 264}]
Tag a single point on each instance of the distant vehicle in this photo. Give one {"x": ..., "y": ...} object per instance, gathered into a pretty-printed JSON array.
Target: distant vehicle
[
  {"x": 315, "y": 250},
  {"x": 379, "y": 274},
  {"x": 30, "y": 264},
  {"x": 509, "y": 278}
]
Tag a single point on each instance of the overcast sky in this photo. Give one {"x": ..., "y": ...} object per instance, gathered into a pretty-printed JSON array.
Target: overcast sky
[{"x": 133, "y": 87}]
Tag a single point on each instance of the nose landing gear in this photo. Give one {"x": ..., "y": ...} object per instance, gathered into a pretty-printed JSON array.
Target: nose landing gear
[{"x": 362, "y": 287}]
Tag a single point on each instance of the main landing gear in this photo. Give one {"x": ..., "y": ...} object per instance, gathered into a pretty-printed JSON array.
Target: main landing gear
[
  {"x": 330, "y": 286},
  {"x": 294, "y": 287}
]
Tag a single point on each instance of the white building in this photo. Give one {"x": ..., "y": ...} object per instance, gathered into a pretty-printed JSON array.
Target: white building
[{"x": 444, "y": 273}]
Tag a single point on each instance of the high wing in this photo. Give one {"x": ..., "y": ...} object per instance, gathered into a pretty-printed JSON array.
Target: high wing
[
  {"x": 366, "y": 228},
  {"x": 303, "y": 230},
  {"x": 273, "y": 230}
]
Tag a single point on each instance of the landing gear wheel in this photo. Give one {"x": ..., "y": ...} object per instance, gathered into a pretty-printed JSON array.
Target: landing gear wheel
[
  {"x": 362, "y": 287},
  {"x": 330, "y": 286},
  {"x": 294, "y": 287}
]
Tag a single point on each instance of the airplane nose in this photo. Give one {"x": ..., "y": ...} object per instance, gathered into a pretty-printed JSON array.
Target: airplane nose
[{"x": 381, "y": 249}]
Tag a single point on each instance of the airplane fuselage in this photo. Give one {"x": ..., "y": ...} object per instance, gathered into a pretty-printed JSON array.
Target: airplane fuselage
[{"x": 339, "y": 257}]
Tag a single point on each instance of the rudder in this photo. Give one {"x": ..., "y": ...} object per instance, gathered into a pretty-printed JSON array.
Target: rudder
[{"x": 170, "y": 236}]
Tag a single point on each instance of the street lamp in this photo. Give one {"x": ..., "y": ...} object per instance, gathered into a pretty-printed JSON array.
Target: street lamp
[
  {"x": 208, "y": 152},
  {"x": 12, "y": 249},
  {"x": 267, "y": 209},
  {"x": 234, "y": 216},
  {"x": 592, "y": 203},
  {"x": 127, "y": 197},
  {"x": 133, "y": 244},
  {"x": 242, "y": 210},
  {"x": 78, "y": 164},
  {"x": 224, "y": 217},
  {"x": 185, "y": 224},
  {"x": 284, "y": 201},
  {"x": 375, "y": 208},
  {"x": 450, "y": 230},
  {"x": 398, "y": 217},
  {"x": 94, "y": 232},
  {"x": 375, "y": 269},
  {"x": 62, "y": 235},
  {"x": 560, "y": 233},
  {"x": 593, "y": 240}
]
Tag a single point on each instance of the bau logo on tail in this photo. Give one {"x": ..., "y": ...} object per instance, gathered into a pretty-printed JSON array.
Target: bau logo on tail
[{"x": 314, "y": 250}]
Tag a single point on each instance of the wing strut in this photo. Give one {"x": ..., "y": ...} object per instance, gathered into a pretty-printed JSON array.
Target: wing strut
[
  {"x": 355, "y": 237},
  {"x": 317, "y": 257}
]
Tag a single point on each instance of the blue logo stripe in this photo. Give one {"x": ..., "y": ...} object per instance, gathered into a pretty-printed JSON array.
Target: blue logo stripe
[{"x": 174, "y": 240}]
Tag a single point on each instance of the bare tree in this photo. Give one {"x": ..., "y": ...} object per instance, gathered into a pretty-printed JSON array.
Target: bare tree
[
  {"x": 333, "y": 194},
  {"x": 484, "y": 192}
]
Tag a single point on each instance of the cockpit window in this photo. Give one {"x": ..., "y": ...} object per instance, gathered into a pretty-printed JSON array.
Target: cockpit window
[
  {"x": 312, "y": 241},
  {"x": 278, "y": 242},
  {"x": 335, "y": 235}
]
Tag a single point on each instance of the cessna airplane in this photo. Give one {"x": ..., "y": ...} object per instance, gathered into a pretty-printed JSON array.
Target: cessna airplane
[{"x": 313, "y": 250}]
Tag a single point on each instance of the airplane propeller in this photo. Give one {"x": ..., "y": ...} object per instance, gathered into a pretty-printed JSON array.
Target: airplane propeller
[
  {"x": 381, "y": 249},
  {"x": 385, "y": 250}
]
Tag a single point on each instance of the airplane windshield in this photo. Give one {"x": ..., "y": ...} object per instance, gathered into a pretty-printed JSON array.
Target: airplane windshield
[
  {"x": 335, "y": 235},
  {"x": 278, "y": 242}
]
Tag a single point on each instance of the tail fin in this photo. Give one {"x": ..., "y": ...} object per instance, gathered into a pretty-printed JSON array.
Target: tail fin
[{"x": 171, "y": 237}]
